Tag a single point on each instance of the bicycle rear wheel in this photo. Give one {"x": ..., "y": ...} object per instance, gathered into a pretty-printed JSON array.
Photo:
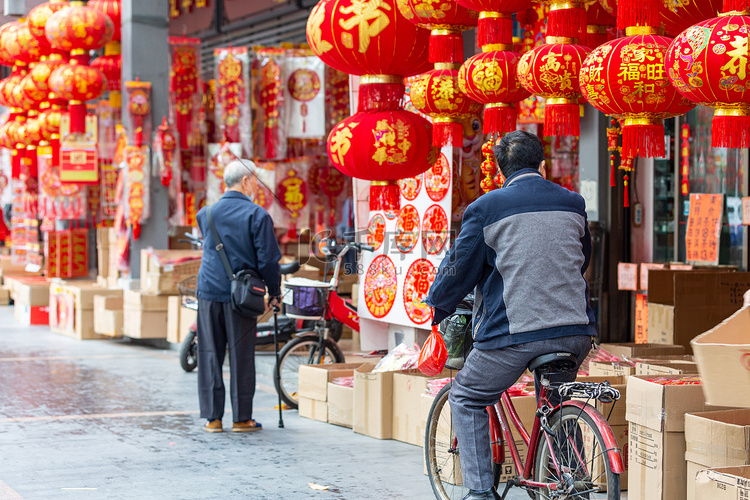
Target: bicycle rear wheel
[
  {"x": 580, "y": 452},
  {"x": 302, "y": 351},
  {"x": 442, "y": 458}
]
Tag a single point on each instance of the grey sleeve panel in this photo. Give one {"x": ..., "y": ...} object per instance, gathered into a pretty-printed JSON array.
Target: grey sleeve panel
[{"x": 539, "y": 257}]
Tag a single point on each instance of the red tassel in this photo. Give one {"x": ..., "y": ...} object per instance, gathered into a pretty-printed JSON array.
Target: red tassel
[
  {"x": 377, "y": 96},
  {"x": 447, "y": 134},
  {"x": 612, "y": 178},
  {"x": 446, "y": 47},
  {"x": 736, "y": 6},
  {"x": 77, "y": 117},
  {"x": 292, "y": 231},
  {"x": 593, "y": 39},
  {"x": 644, "y": 141},
  {"x": 638, "y": 13},
  {"x": 626, "y": 192},
  {"x": 562, "y": 119},
  {"x": 136, "y": 230},
  {"x": 183, "y": 127},
  {"x": 384, "y": 196},
  {"x": 15, "y": 163},
  {"x": 729, "y": 131},
  {"x": 493, "y": 30},
  {"x": 566, "y": 22},
  {"x": 500, "y": 119}
]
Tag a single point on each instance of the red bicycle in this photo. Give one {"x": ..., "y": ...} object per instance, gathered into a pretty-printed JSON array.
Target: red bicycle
[
  {"x": 320, "y": 302},
  {"x": 573, "y": 453}
]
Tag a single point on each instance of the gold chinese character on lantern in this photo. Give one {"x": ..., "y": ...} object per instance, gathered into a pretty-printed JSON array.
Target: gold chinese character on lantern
[{"x": 368, "y": 18}]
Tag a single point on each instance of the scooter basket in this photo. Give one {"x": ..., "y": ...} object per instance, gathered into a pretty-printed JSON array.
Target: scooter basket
[{"x": 305, "y": 299}]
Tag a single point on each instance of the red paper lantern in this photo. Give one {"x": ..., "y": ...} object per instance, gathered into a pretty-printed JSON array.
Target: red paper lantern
[
  {"x": 707, "y": 64},
  {"x": 490, "y": 78},
  {"x": 21, "y": 47},
  {"x": 551, "y": 71},
  {"x": 627, "y": 78},
  {"x": 446, "y": 19},
  {"x": 674, "y": 16},
  {"x": 382, "y": 146},
  {"x": 113, "y": 10},
  {"x": 38, "y": 16},
  {"x": 437, "y": 94},
  {"x": 78, "y": 29},
  {"x": 599, "y": 22},
  {"x": 369, "y": 43},
  {"x": 495, "y": 24},
  {"x": 5, "y": 57},
  {"x": 49, "y": 122},
  {"x": 34, "y": 94},
  {"x": 42, "y": 71},
  {"x": 7, "y": 85},
  {"x": 111, "y": 68}
]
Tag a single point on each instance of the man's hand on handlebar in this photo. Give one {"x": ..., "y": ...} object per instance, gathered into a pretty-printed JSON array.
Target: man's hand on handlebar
[{"x": 274, "y": 302}]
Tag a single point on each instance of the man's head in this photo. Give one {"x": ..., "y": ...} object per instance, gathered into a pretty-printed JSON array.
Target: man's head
[
  {"x": 237, "y": 177},
  {"x": 518, "y": 150}
]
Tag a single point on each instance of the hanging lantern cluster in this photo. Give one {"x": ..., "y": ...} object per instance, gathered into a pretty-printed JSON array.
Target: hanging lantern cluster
[
  {"x": 437, "y": 93},
  {"x": 627, "y": 78},
  {"x": 382, "y": 142},
  {"x": 707, "y": 63},
  {"x": 551, "y": 70},
  {"x": 78, "y": 29},
  {"x": 490, "y": 76},
  {"x": 600, "y": 25}
]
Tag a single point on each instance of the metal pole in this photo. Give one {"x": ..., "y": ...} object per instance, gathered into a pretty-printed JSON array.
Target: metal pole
[{"x": 277, "y": 367}]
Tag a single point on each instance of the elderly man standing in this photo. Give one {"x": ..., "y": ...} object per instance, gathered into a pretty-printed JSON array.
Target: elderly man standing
[{"x": 246, "y": 232}]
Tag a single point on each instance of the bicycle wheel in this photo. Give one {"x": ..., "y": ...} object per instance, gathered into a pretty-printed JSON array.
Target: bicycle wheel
[
  {"x": 441, "y": 450},
  {"x": 301, "y": 351},
  {"x": 579, "y": 450},
  {"x": 189, "y": 352}
]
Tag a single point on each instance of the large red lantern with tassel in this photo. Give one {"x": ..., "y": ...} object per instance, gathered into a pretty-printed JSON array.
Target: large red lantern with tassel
[
  {"x": 38, "y": 16},
  {"x": 113, "y": 10},
  {"x": 21, "y": 46},
  {"x": 111, "y": 67},
  {"x": 551, "y": 71},
  {"x": 78, "y": 29},
  {"x": 382, "y": 146},
  {"x": 707, "y": 64},
  {"x": 627, "y": 78}
]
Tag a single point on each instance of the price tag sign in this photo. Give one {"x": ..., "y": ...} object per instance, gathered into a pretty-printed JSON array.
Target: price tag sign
[
  {"x": 641, "y": 318},
  {"x": 704, "y": 227},
  {"x": 627, "y": 276},
  {"x": 746, "y": 210}
]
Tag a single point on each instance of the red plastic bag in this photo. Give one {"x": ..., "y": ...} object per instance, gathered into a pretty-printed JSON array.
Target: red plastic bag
[{"x": 433, "y": 355}]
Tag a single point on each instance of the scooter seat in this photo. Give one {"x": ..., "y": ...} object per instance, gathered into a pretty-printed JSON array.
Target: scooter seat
[{"x": 290, "y": 268}]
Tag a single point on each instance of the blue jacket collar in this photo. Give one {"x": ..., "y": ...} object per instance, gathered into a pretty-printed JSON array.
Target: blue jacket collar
[
  {"x": 522, "y": 172},
  {"x": 235, "y": 194}
]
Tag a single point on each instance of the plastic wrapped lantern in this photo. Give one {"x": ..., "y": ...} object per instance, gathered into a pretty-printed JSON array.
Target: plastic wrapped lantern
[
  {"x": 551, "y": 70},
  {"x": 707, "y": 64},
  {"x": 78, "y": 29},
  {"x": 371, "y": 44}
]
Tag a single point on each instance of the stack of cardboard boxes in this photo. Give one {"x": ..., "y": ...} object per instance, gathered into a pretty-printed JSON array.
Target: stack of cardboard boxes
[
  {"x": 30, "y": 296},
  {"x": 72, "y": 306}
]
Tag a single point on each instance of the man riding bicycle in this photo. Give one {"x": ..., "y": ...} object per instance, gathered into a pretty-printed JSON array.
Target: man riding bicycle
[{"x": 524, "y": 248}]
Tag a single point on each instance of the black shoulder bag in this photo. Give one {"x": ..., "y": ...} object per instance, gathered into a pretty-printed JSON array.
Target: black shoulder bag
[{"x": 248, "y": 289}]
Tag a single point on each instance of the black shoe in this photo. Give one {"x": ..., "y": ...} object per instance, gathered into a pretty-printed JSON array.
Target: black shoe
[{"x": 482, "y": 495}]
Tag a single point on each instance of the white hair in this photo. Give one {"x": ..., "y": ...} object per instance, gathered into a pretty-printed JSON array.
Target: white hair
[{"x": 236, "y": 171}]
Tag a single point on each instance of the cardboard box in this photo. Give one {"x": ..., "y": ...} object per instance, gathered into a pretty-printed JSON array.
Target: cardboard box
[
  {"x": 8, "y": 269},
  {"x": 144, "y": 324},
  {"x": 701, "y": 299},
  {"x": 655, "y": 367},
  {"x": 30, "y": 291},
  {"x": 102, "y": 261},
  {"x": 373, "y": 403},
  {"x": 660, "y": 324},
  {"x": 312, "y": 408},
  {"x": 4, "y": 296},
  {"x": 72, "y": 308},
  {"x": 715, "y": 439},
  {"x": 726, "y": 483},
  {"x": 108, "y": 315},
  {"x": 611, "y": 369},
  {"x": 408, "y": 386},
  {"x": 613, "y": 412},
  {"x": 723, "y": 357},
  {"x": 163, "y": 270},
  {"x": 179, "y": 320},
  {"x": 31, "y": 315},
  {"x": 313, "y": 379},
  {"x": 656, "y": 450},
  {"x": 631, "y": 350},
  {"x": 144, "y": 301},
  {"x": 340, "y": 405}
]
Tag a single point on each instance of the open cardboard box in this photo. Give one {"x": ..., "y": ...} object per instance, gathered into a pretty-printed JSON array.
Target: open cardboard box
[
  {"x": 723, "y": 357},
  {"x": 725, "y": 483}
]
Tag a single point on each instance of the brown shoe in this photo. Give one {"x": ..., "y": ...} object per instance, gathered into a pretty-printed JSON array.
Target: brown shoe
[
  {"x": 248, "y": 426},
  {"x": 213, "y": 426}
]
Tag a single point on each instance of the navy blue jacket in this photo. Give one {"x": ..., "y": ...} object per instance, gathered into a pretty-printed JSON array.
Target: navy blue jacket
[
  {"x": 525, "y": 248},
  {"x": 246, "y": 230}
]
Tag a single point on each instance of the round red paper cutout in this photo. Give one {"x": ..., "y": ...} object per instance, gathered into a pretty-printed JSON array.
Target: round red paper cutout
[
  {"x": 410, "y": 187},
  {"x": 434, "y": 230},
  {"x": 437, "y": 179},
  {"x": 407, "y": 228},
  {"x": 381, "y": 285},
  {"x": 376, "y": 231},
  {"x": 417, "y": 284}
]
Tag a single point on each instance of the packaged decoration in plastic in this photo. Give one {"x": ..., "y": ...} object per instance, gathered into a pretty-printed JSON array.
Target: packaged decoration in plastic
[
  {"x": 232, "y": 106},
  {"x": 304, "y": 97},
  {"x": 402, "y": 357},
  {"x": 138, "y": 175},
  {"x": 167, "y": 157},
  {"x": 185, "y": 88},
  {"x": 79, "y": 155},
  {"x": 139, "y": 109},
  {"x": 219, "y": 156},
  {"x": 58, "y": 200},
  {"x": 270, "y": 96},
  {"x": 293, "y": 194}
]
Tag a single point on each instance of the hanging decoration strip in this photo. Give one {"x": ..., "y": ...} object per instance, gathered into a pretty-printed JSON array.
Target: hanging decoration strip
[
  {"x": 232, "y": 73},
  {"x": 138, "y": 173},
  {"x": 304, "y": 97},
  {"x": 270, "y": 99},
  {"x": 337, "y": 96},
  {"x": 139, "y": 109},
  {"x": 184, "y": 85}
]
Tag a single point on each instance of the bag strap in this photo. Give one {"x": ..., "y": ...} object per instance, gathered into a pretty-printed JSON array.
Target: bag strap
[{"x": 220, "y": 246}]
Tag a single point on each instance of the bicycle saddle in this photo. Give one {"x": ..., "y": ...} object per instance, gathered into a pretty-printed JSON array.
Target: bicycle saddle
[
  {"x": 554, "y": 362},
  {"x": 290, "y": 268}
]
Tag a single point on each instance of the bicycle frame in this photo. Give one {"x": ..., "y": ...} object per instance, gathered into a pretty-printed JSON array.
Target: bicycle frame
[
  {"x": 342, "y": 310},
  {"x": 499, "y": 423}
]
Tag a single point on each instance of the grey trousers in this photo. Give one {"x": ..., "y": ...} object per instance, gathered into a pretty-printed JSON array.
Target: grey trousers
[
  {"x": 218, "y": 327},
  {"x": 481, "y": 382}
]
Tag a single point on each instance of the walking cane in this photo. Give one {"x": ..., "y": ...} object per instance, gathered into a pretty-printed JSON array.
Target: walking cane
[{"x": 276, "y": 349}]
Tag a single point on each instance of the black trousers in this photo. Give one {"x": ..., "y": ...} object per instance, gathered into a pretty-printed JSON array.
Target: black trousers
[{"x": 218, "y": 327}]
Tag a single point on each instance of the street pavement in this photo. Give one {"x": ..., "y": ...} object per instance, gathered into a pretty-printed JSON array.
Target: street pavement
[{"x": 103, "y": 419}]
